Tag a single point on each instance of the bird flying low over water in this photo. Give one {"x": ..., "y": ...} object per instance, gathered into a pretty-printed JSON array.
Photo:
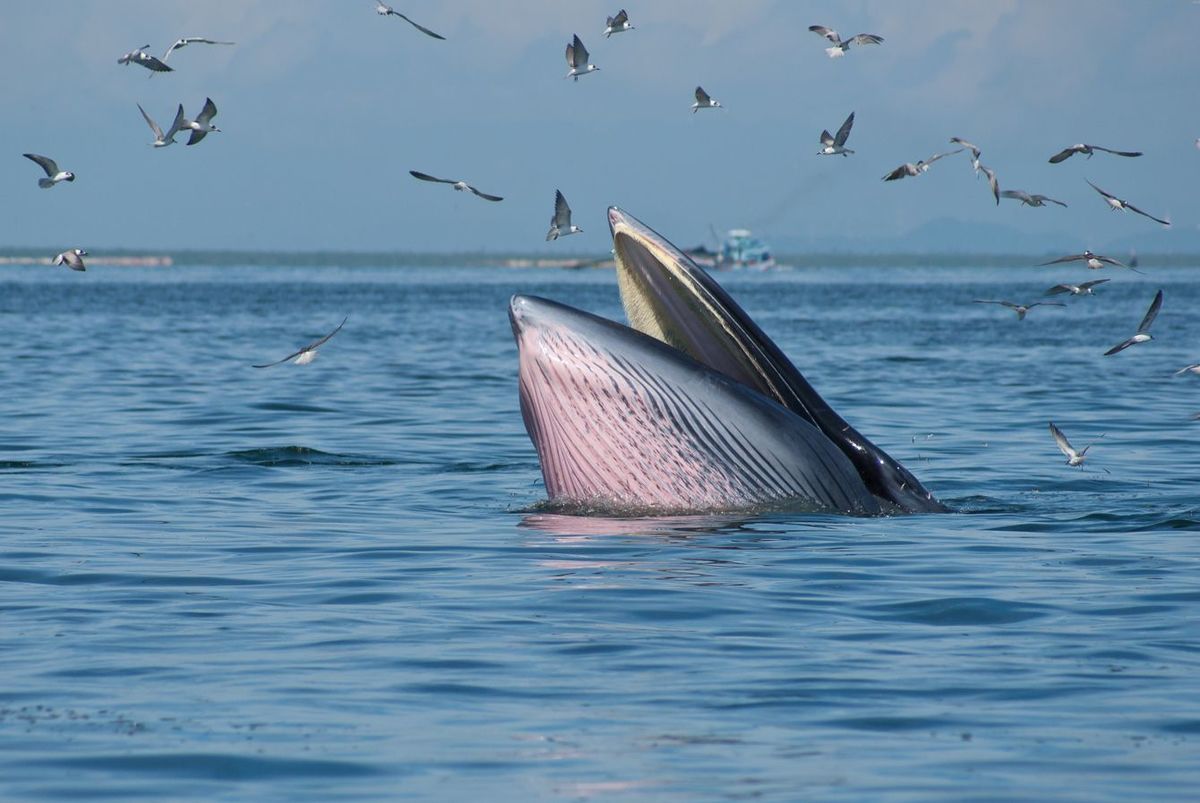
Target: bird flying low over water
[
  {"x": 1074, "y": 458},
  {"x": 1143, "y": 330},
  {"x": 833, "y": 145},
  {"x": 73, "y": 259},
  {"x": 910, "y": 169},
  {"x": 53, "y": 174},
  {"x": 1088, "y": 150},
  {"x": 162, "y": 140},
  {"x": 184, "y": 41},
  {"x": 202, "y": 126},
  {"x": 560, "y": 223},
  {"x": 384, "y": 10},
  {"x": 1082, "y": 289},
  {"x": 139, "y": 56},
  {"x": 459, "y": 185},
  {"x": 1094, "y": 261},
  {"x": 1194, "y": 368},
  {"x": 617, "y": 24},
  {"x": 1030, "y": 199},
  {"x": 975, "y": 152},
  {"x": 1022, "y": 309},
  {"x": 307, "y": 353},
  {"x": 1116, "y": 203},
  {"x": 839, "y": 46},
  {"x": 577, "y": 59},
  {"x": 704, "y": 101}
]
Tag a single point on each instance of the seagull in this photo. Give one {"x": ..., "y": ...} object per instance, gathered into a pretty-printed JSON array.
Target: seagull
[
  {"x": 1094, "y": 261},
  {"x": 308, "y": 353},
  {"x": 191, "y": 40},
  {"x": 202, "y": 125},
  {"x": 991, "y": 177},
  {"x": 910, "y": 169},
  {"x": 704, "y": 101},
  {"x": 53, "y": 174},
  {"x": 458, "y": 185},
  {"x": 1088, "y": 150},
  {"x": 1143, "y": 331},
  {"x": 1030, "y": 200},
  {"x": 1022, "y": 309},
  {"x": 387, "y": 11},
  {"x": 831, "y": 146},
  {"x": 73, "y": 259},
  {"x": 975, "y": 152},
  {"x": 1082, "y": 289},
  {"x": 1193, "y": 368},
  {"x": 617, "y": 24},
  {"x": 577, "y": 59},
  {"x": 162, "y": 140},
  {"x": 1074, "y": 458},
  {"x": 840, "y": 47},
  {"x": 139, "y": 56},
  {"x": 1116, "y": 203},
  {"x": 560, "y": 223}
]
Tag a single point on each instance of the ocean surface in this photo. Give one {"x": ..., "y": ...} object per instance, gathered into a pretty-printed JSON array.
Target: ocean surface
[{"x": 334, "y": 581}]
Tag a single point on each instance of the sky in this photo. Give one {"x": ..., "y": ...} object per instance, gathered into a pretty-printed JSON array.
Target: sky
[{"x": 324, "y": 108}]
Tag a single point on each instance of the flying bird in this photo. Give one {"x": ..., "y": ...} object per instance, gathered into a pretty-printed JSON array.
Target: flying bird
[
  {"x": 831, "y": 146},
  {"x": 1082, "y": 289},
  {"x": 910, "y": 169},
  {"x": 840, "y": 47},
  {"x": 162, "y": 140},
  {"x": 202, "y": 126},
  {"x": 1143, "y": 330},
  {"x": 461, "y": 186},
  {"x": 53, "y": 174},
  {"x": 307, "y": 353},
  {"x": 992, "y": 183},
  {"x": 1194, "y": 368},
  {"x": 387, "y": 11},
  {"x": 1030, "y": 200},
  {"x": 560, "y": 223},
  {"x": 184, "y": 41},
  {"x": 73, "y": 259},
  {"x": 704, "y": 101},
  {"x": 1094, "y": 261},
  {"x": 617, "y": 24},
  {"x": 1074, "y": 458},
  {"x": 577, "y": 59},
  {"x": 140, "y": 56},
  {"x": 1088, "y": 150},
  {"x": 975, "y": 153},
  {"x": 1022, "y": 309},
  {"x": 1116, "y": 203}
]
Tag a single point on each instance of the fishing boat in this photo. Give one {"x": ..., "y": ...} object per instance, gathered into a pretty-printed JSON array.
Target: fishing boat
[{"x": 739, "y": 250}]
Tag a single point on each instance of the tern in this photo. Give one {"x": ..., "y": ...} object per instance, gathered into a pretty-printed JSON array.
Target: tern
[
  {"x": 577, "y": 59},
  {"x": 1143, "y": 330},
  {"x": 840, "y": 47},
  {"x": 459, "y": 185},
  {"x": 992, "y": 183},
  {"x": 1081, "y": 289},
  {"x": 387, "y": 11},
  {"x": 975, "y": 152},
  {"x": 202, "y": 126},
  {"x": 184, "y": 41},
  {"x": 617, "y": 24},
  {"x": 1030, "y": 200},
  {"x": 1194, "y": 368},
  {"x": 704, "y": 101},
  {"x": 1116, "y": 203},
  {"x": 560, "y": 223},
  {"x": 1074, "y": 458},
  {"x": 910, "y": 169},
  {"x": 162, "y": 140},
  {"x": 1022, "y": 309},
  {"x": 1094, "y": 261},
  {"x": 140, "y": 56},
  {"x": 1088, "y": 150},
  {"x": 53, "y": 174},
  {"x": 831, "y": 146},
  {"x": 307, "y": 353},
  {"x": 73, "y": 259}
]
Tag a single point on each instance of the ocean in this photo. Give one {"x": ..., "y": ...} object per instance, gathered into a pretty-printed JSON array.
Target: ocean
[{"x": 336, "y": 581}]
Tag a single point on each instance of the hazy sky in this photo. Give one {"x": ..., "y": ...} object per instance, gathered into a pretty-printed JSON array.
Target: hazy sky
[{"x": 325, "y": 107}]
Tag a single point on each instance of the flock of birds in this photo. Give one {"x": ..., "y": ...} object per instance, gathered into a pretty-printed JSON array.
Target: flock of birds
[{"x": 579, "y": 64}]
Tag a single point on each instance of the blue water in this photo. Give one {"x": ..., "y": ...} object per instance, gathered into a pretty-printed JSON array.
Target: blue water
[{"x": 332, "y": 581}]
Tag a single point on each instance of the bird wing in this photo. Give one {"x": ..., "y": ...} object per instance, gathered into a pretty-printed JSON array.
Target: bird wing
[
  {"x": 702, "y": 97},
  {"x": 1102, "y": 192},
  {"x": 828, "y": 33},
  {"x": 178, "y": 124},
  {"x": 1133, "y": 208},
  {"x": 420, "y": 28},
  {"x": 158, "y": 133},
  {"x": 1020, "y": 195},
  {"x": 1071, "y": 258},
  {"x": 937, "y": 156},
  {"x": 581, "y": 52},
  {"x": 1092, "y": 283},
  {"x": 1064, "y": 154},
  {"x": 207, "y": 113},
  {"x": 899, "y": 172},
  {"x": 995, "y": 185},
  {"x": 1187, "y": 368},
  {"x": 619, "y": 20},
  {"x": 45, "y": 162},
  {"x": 866, "y": 39},
  {"x": 970, "y": 146},
  {"x": 1046, "y": 304},
  {"x": 178, "y": 43},
  {"x": 844, "y": 131},
  {"x": 987, "y": 301},
  {"x": 196, "y": 136},
  {"x": 153, "y": 62},
  {"x": 1048, "y": 198},
  {"x": 1151, "y": 313},
  {"x": 571, "y": 54},
  {"x": 1110, "y": 261},
  {"x": 1059, "y": 289},
  {"x": 484, "y": 195},
  {"x": 1120, "y": 347},
  {"x": 826, "y": 138},
  {"x": 291, "y": 356},
  {"x": 1118, "y": 153},
  {"x": 427, "y": 177},
  {"x": 562, "y": 212},
  {"x": 1064, "y": 445}
]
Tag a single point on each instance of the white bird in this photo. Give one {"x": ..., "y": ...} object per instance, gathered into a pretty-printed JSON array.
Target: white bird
[
  {"x": 459, "y": 185},
  {"x": 307, "y": 353},
  {"x": 162, "y": 140},
  {"x": 202, "y": 126},
  {"x": 1067, "y": 153},
  {"x": 560, "y": 223},
  {"x": 384, "y": 10},
  {"x": 617, "y": 24},
  {"x": 992, "y": 183},
  {"x": 1143, "y": 330},
  {"x": 1094, "y": 261},
  {"x": 1030, "y": 199},
  {"x": 577, "y": 59},
  {"x": 704, "y": 101},
  {"x": 53, "y": 174},
  {"x": 1022, "y": 309},
  {"x": 73, "y": 259},
  {"x": 1115, "y": 203},
  {"x": 833, "y": 145},
  {"x": 910, "y": 169},
  {"x": 184, "y": 41},
  {"x": 1074, "y": 458},
  {"x": 1194, "y": 368},
  {"x": 975, "y": 153},
  {"x": 1081, "y": 289},
  {"x": 139, "y": 56},
  {"x": 840, "y": 47}
]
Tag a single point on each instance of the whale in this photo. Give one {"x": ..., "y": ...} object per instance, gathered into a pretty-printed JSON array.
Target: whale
[{"x": 689, "y": 408}]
